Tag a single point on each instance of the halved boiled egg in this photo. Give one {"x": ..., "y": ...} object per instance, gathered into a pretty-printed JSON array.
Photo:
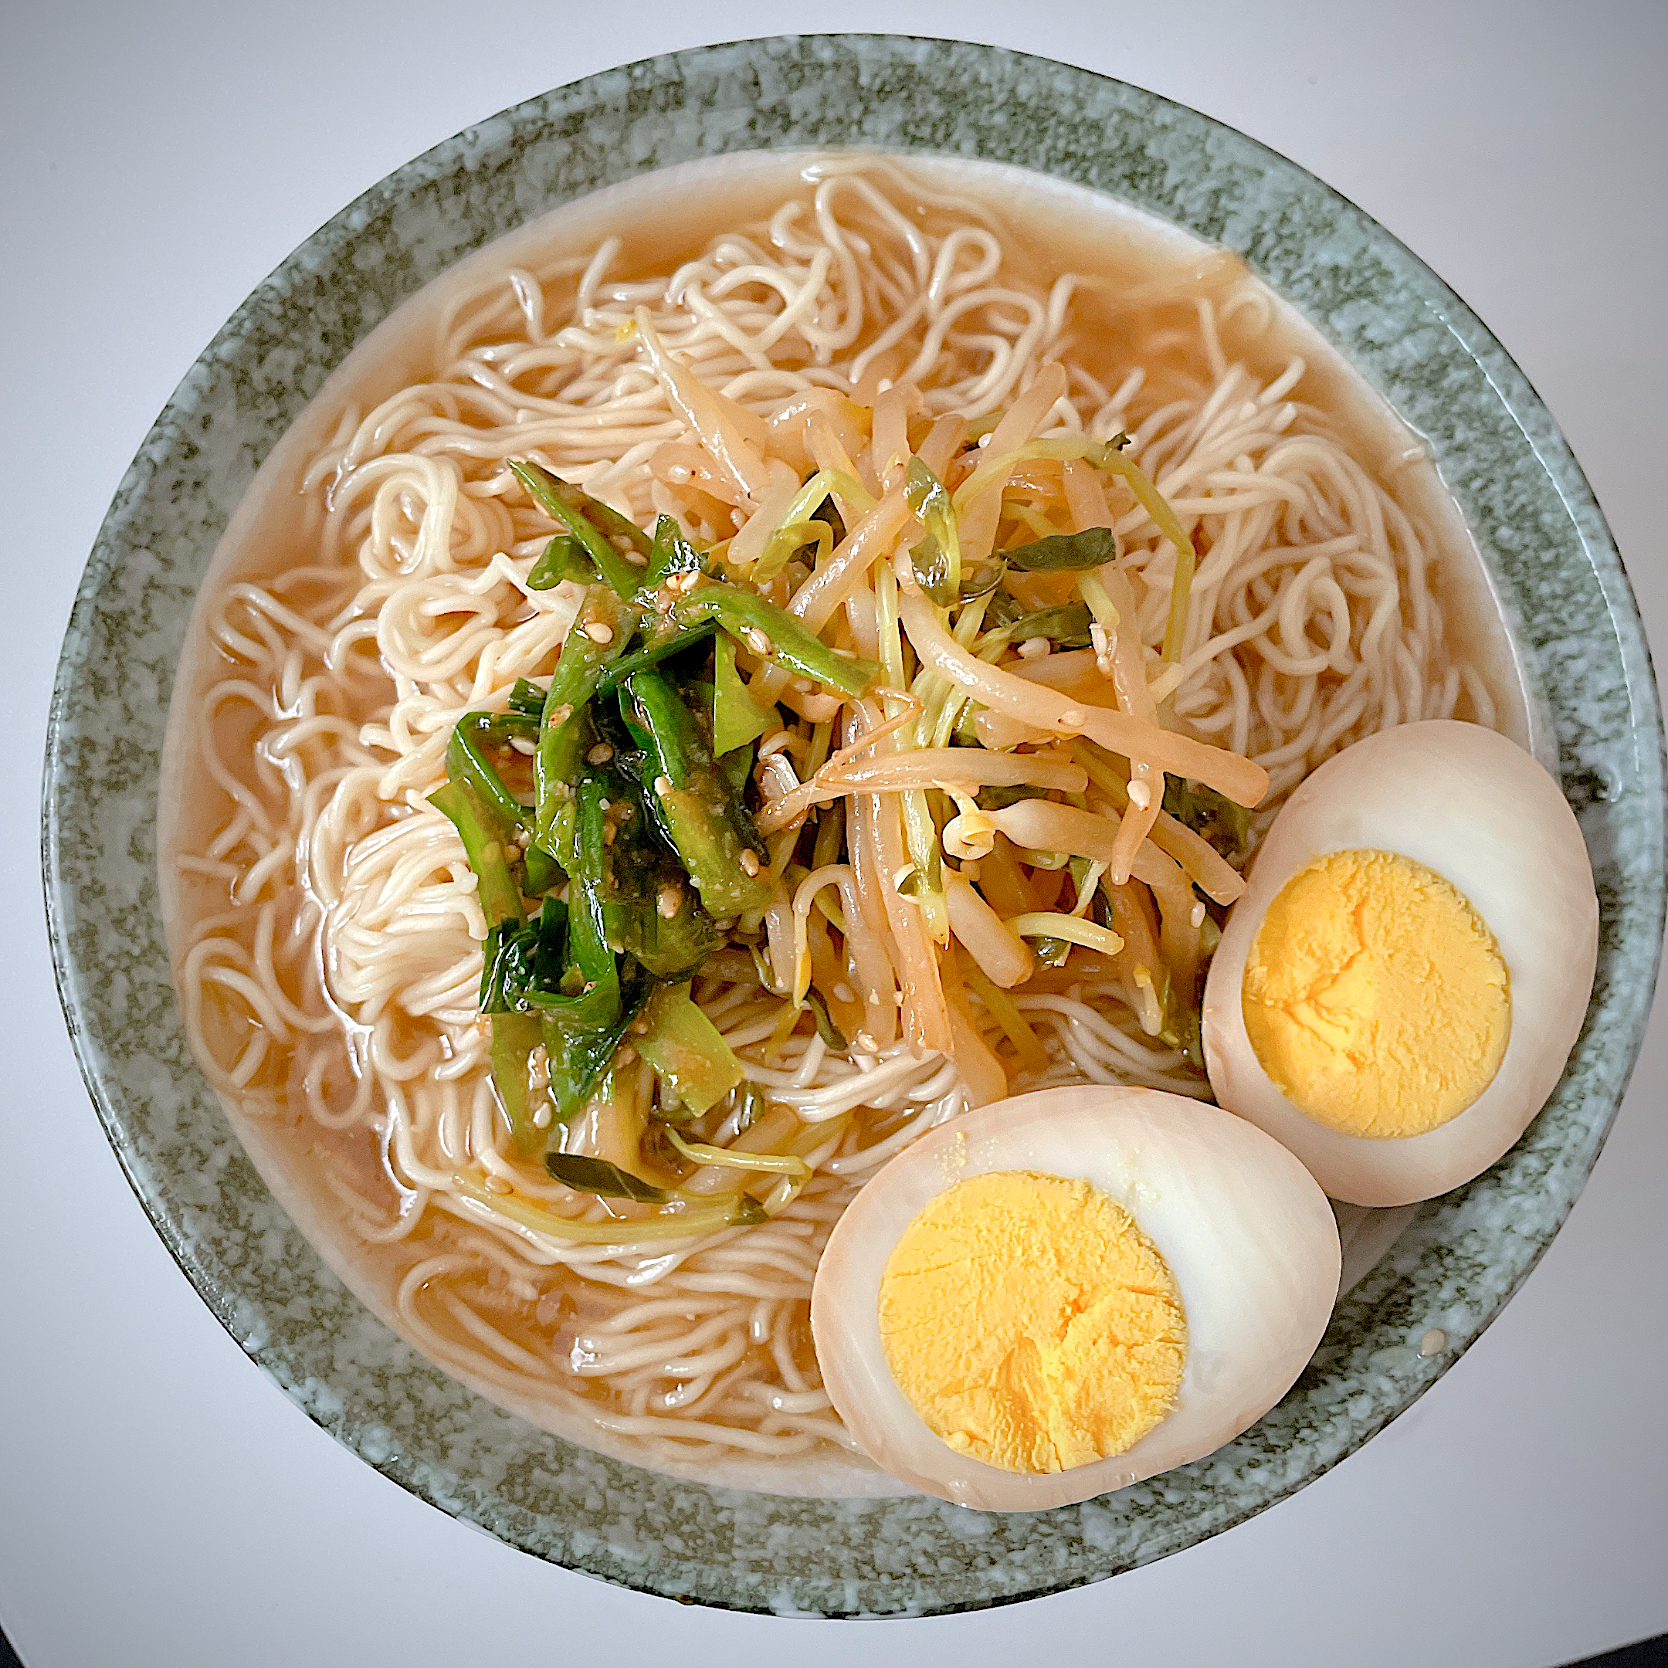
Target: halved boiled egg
[
  {"x": 1065, "y": 1292},
  {"x": 1398, "y": 989}
]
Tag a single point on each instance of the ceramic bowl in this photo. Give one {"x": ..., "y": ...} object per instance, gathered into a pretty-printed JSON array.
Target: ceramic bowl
[{"x": 1533, "y": 516}]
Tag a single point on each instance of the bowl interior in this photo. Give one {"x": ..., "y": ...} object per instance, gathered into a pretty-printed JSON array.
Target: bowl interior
[{"x": 1542, "y": 538}]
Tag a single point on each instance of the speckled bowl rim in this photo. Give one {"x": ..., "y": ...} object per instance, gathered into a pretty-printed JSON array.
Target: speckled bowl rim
[{"x": 1524, "y": 495}]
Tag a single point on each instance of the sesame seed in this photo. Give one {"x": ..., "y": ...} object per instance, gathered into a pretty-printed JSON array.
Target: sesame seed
[
  {"x": 757, "y": 641},
  {"x": 625, "y": 1056},
  {"x": 1034, "y": 648},
  {"x": 663, "y": 785},
  {"x": 1433, "y": 1342},
  {"x": 497, "y": 1184},
  {"x": 1196, "y": 917},
  {"x": 599, "y": 632},
  {"x": 1140, "y": 795},
  {"x": 670, "y": 901},
  {"x": 749, "y": 862},
  {"x": 562, "y": 714},
  {"x": 522, "y": 745},
  {"x": 844, "y": 993},
  {"x": 1071, "y": 716},
  {"x": 600, "y": 754},
  {"x": 542, "y": 1117}
]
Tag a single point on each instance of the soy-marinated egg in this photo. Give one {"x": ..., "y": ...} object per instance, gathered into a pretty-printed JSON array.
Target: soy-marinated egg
[
  {"x": 1065, "y": 1292},
  {"x": 1397, "y": 991}
]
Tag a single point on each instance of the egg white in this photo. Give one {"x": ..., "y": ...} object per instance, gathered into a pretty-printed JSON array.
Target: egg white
[
  {"x": 1479, "y": 811},
  {"x": 1249, "y": 1237}
]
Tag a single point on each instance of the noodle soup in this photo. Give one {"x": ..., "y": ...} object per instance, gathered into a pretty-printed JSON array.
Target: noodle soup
[{"x": 377, "y": 585}]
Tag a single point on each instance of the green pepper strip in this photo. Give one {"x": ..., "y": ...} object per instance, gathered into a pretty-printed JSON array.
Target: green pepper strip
[
  {"x": 589, "y": 522},
  {"x": 651, "y": 654},
  {"x": 689, "y": 1055},
  {"x": 557, "y": 760},
  {"x": 563, "y": 558},
  {"x": 465, "y": 763},
  {"x": 577, "y": 1059},
  {"x": 588, "y": 948},
  {"x": 615, "y": 525},
  {"x": 737, "y": 719},
  {"x": 581, "y": 1030},
  {"x": 514, "y": 1036},
  {"x": 671, "y": 553},
  {"x": 527, "y": 698},
  {"x": 739, "y": 612},
  {"x": 693, "y": 801},
  {"x": 642, "y": 879},
  {"x": 485, "y": 847}
]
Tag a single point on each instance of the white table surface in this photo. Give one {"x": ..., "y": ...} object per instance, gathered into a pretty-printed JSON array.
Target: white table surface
[{"x": 160, "y": 1501}]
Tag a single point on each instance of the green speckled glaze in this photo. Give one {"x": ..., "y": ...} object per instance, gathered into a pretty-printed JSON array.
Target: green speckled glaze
[{"x": 1532, "y": 512}]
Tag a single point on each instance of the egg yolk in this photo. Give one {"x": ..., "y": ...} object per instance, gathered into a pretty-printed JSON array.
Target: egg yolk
[
  {"x": 1375, "y": 996},
  {"x": 1031, "y": 1323}
]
